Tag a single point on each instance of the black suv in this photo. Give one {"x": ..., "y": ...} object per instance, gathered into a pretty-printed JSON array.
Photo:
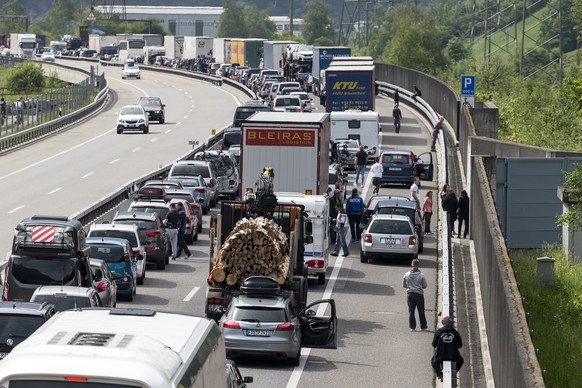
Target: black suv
[
  {"x": 246, "y": 110},
  {"x": 154, "y": 108},
  {"x": 46, "y": 250},
  {"x": 152, "y": 234},
  {"x": 18, "y": 320}
]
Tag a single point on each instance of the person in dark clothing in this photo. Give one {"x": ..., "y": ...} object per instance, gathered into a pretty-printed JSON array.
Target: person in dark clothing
[
  {"x": 2, "y": 110},
  {"x": 171, "y": 224},
  {"x": 182, "y": 221},
  {"x": 417, "y": 93},
  {"x": 396, "y": 97},
  {"x": 397, "y": 115},
  {"x": 435, "y": 133},
  {"x": 355, "y": 210},
  {"x": 334, "y": 201},
  {"x": 415, "y": 282},
  {"x": 446, "y": 342},
  {"x": 463, "y": 213},
  {"x": 361, "y": 161},
  {"x": 450, "y": 204}
]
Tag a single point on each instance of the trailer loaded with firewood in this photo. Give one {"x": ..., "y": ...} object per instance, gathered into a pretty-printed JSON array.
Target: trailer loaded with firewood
[{"x": 257, "y": 238}]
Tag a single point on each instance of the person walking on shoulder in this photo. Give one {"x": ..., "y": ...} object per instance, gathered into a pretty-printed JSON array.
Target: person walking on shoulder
[
  {"x": 171, "y": 222},
  {"x": 427, "y": 212},
  {"x": 341, "y": 222},
  {"x": 414, "y": 195},
  {"x": 397, "y": 115},
  {"x": 355, "y": 210},
  {"x": 182, "y": 221},
  {"x": 463, "y": 214},
  {"x": 446, "y": 343},
  {"x": 334, "y": 201},
  {"x": 376, "y": 170},
  {"x": 2, "y": 110},
  {"x": 415, "y": 282},
  {"x": 361, "y": 160},
  {"x": 435, "y": 132},
  {"x": 396, "y": 97},
  {"x": 450, "y": 204}
]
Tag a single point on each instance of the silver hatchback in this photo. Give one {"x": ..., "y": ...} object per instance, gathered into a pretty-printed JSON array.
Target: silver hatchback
[{"x": 389, "y": 236}]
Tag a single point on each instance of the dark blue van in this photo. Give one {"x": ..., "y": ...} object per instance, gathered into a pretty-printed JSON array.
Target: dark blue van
[{"x": 117, "y": 253}]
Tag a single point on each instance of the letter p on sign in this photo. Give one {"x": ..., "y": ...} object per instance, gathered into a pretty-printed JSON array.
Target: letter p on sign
[{"x": 467, "y": 85}]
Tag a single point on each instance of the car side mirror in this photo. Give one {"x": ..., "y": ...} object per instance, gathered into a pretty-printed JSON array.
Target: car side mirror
[
  {"x": 247, "y": 379},
  {"x": 309, "y": 313},
  {"x": 140, "y": 257},
  {"x": 116, "y": 276}
]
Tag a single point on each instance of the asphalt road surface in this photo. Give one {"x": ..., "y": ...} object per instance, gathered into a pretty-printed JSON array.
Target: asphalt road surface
[{"x": 70, "y": 171}]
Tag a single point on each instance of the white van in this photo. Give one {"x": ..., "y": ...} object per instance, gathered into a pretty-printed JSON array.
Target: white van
[
  {"x": 355, "y": 124},
  {"x": 119, "y": 348},
  {"x": 316, "y": 254}
]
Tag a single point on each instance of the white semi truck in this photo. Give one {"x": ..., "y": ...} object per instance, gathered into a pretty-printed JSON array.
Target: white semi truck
[{"x": 23, "y": 45}]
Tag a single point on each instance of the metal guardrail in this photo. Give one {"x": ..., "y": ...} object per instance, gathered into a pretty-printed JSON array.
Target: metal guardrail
[{"x": 37, "y": 132}]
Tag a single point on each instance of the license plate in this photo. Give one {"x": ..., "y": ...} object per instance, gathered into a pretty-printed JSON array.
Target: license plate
[
  {"x": 391, "y": 241},
  {"x": 258, "y": 333},
  {"x": 395, "y": 169}
]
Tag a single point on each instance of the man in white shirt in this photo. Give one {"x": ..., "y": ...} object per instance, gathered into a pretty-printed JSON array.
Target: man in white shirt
[
  {"x": 376, "y": 170},
  {"x": 414, "y": 191}
]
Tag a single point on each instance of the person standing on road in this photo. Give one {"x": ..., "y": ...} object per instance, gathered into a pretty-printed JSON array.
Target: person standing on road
[
  {"x": 361, "y": 161},
  {"x": 463, "y": 213},
  {"x": 355, "y": 210},
  {"x": 20, "y": 111},
  {"x": 446, "y": 343},
  {"x": 435, "y": 133},
  {"x": 334, "y": 201},
  {"x": 171, "y": 223},
  {"x": 415, "y": 282},
  {"x": 397, "y": 115},
  {"x": 340, "y": 222},
  {"x": 2, "y": 110},
  {"x": 376, "y": 171},
  {"x": 450, "y": 204},
  {"x": 182, "y": 221},
  {"x": 414, "y": 195},
  {"x": 396, "y": 97},
  {"x": 427, "y": 212}
]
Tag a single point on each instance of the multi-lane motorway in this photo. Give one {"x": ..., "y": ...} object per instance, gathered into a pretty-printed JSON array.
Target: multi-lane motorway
[{"x": 67, "y": 172}]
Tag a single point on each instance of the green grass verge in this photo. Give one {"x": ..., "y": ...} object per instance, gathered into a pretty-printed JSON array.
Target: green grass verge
[{"x": 555, "y": 314}]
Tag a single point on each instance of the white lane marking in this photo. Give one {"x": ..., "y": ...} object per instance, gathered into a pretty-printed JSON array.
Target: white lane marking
[
  {"x": 136, "y": 149},
  {"x": 191, "y": 294},
  {"x": 15, "y": 209},
  {"x": 178, "y": 123},
  {"x": 180, "y": 90},
  {"x": 55, "y": 190},
  {"x": 298, "y": 370},
  {"x": 137, "y": 87},
  {"x": 190, "y": 111},
  {"x": 87, "y": 175},
  {"x": 114, "y": 161},
  {"x": 168, "y": 130},
  {"x": 55, "y": 155},
  {"x": 154, "y": 139},
  {"x": 185, "y": 117},
  {"x": 191, "y": 97}
]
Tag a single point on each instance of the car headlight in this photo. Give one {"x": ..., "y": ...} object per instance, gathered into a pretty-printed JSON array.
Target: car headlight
[
  {"x": 141, "y": 120},
  {"x": 121, "y": 121}
]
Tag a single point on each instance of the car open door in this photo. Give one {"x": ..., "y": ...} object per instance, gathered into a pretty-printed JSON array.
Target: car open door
[
  {"x": 428, "y": 172},
  {"x": 319, "y": 326}
]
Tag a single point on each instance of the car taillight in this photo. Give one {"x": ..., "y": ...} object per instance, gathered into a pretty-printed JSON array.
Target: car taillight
[
  {"x": 126, "y": 258},
  {"x": 337, "y": 185},
  {"x": 212, "y": 182},
  {"x": 410, "y": 162},
  {"x": 287, "y": 326},
  {"x": 222, "y": 147},
  {"x": 412, "y": 240},
  {"x": 199, "y": 190},
  {"x": 103, "y": 286},
  {"x": 368, "y": 238},
  {"x": 153, "y": 233},
  {"x": 135, "y": 252},
  {"x": 5, "y": 292},
  {"x": 372, "y": 151},
  {"x": 315, "y": 263},
  {"x": 382, "y": 158},
  {"x": 230, "y": 325},
  {"x": 231, "y": 182}
]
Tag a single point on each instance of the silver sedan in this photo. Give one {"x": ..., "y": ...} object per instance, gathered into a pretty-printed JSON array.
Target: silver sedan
[
  {"x": 104, "y": 282},
  {"x": 389, "y": 236}
]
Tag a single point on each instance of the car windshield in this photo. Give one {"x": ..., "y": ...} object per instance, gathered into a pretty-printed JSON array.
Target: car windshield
[
  {"x": 390, "y": 227},
  {"x": 302, "y": 96},
  {"x": 63, "y": 301},
  {"x": 162, "y": 211},
  {"x": 107, "y": 253},
  {"x": 148, "y": 102},
  {"x": 192, "y": 170},
  {"x": 132, "y": 110},
  {"x": 401, "y": 211},
  {"x": 141, "y": 224},
  {"x": 131, "y": 65},
  {"x": 15, "y": 325},
  {"x": 47, "y": 271},
  {"x": 126, "y": 235},
  {"x": 185, "y": 196},
  {"x": 287, "y": 102},
  {"x": 188, "y": 182},
  {"x": 395, "y": 158},
  {"x": 258, "y": 314}
]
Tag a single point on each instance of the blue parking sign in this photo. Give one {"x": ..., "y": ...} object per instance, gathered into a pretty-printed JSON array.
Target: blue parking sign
[{"x": 467, "y": 85}]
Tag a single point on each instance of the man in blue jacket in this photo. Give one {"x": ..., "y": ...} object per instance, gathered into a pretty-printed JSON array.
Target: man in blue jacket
[{"x": 355, "y": 210}]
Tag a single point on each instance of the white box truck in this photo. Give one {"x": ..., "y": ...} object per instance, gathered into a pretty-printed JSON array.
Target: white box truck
[
  {"x": 273, "y": 51},
  {"x": 221, "y": 50},
  {"x": 23, "y": 45},
  {"x": 295, "y": 145},
  {"x": 174, "y": 45},
  {"x": 197, "y": 46},
  {"x": 355, "y": 124}
]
